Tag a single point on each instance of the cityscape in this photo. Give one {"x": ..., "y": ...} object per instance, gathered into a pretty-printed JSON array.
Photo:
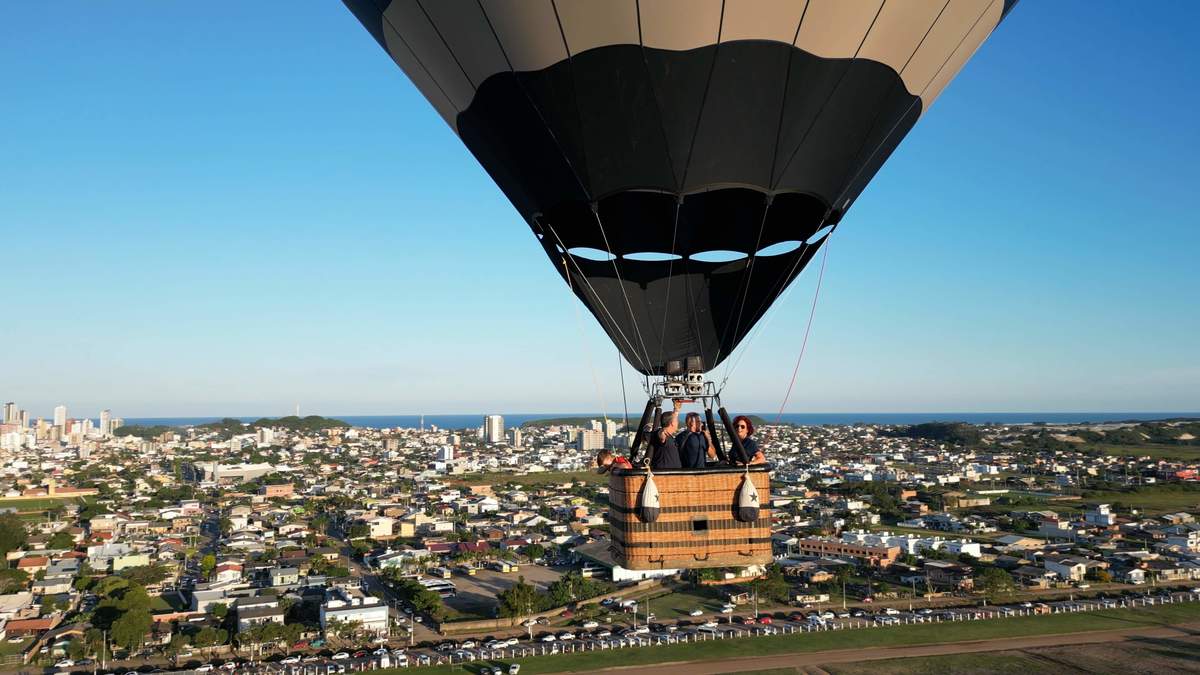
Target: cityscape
[
  {"x": 303, "y": 542},
  {"x": 632, "y": 337}
]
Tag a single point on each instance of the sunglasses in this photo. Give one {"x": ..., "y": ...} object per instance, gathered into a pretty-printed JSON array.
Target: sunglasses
[{"x": 742, "y": 426}]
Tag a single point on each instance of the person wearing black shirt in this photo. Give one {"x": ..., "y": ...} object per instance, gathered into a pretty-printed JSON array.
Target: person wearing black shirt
[
  {"x": 744, "y": 429},
  {"x": 666, "y": 452},
  {"x": 694, "y": 443}
]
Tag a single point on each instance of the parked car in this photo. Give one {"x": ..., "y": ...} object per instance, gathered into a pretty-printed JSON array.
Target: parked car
[
  {"x": 696, "y": 612},
  {"x": 340, "y": 656},
  {"x": 203, "y": 668},
  {"x": 590, "y": 625},
  {"x": 290, "y": 659},
  {"x": 764, "y": 619}
]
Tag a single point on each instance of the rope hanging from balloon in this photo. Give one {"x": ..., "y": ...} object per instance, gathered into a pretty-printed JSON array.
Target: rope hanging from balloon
[
  {"x": 599, "y": 301},
  {"x": 807, "y": 329},
  {"x": 587, "y": 352}
]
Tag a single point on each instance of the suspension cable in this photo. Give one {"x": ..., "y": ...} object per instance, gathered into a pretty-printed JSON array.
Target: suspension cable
[
  {"x": 621, "y": 283},
  {"x": 587, "y": 351},
  {"x": 611, "y": 319},
  {"x": 624, "y": 398},
  {"x": 807, "y": 328}
]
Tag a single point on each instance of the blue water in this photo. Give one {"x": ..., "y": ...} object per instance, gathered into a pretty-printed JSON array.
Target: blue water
[{"x": 513, "y": 419}]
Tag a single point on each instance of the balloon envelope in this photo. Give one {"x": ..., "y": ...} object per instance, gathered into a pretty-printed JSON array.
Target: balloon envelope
[{"x": 680, "y": 161}]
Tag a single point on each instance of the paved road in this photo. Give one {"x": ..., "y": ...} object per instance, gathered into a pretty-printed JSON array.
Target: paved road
[{"x": 878, "y": 653}]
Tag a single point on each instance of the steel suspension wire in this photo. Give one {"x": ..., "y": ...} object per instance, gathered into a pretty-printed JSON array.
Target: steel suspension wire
[
  {"x": 807, "y": 328},
  {"x": 600, "y": 301},
  {"x": 587, "y": 352},
  {"x": 621, "y": 283},
  {"x": 624, "y": 398}
]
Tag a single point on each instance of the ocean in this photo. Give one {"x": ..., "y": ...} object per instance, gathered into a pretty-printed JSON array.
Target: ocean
[{"x": 514, "y": 419}]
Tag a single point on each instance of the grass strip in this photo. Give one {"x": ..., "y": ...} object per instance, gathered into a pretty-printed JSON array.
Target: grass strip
[{"x": 893, "y": 636}]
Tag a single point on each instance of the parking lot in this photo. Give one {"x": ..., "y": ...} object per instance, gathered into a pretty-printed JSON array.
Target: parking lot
[
  {"x": 500, "y": 653},
  {"x": 477, "y": 594}
]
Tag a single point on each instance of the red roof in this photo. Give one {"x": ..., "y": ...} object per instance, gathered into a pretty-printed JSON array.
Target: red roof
[
  {"x": 33, "y": 561},
  {"x": 30, "y": 624}
]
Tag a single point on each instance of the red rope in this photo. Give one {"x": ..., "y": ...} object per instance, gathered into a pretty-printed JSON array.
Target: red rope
[{"x": 803, "y": 345}]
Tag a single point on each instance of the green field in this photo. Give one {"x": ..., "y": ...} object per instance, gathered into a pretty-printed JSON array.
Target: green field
[
  {"x": 853, "y": 639},
  {"x": 1150, "y": 450},
  {"x": 41, "y": 503},
  {"x": 1151, "y": 499},
  {"x": 11, "y": 648},
  {"x": 677, "y": 604}
]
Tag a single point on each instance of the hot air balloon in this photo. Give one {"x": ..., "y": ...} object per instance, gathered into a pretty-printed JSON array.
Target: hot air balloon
[{"x": 681, "y": 161}]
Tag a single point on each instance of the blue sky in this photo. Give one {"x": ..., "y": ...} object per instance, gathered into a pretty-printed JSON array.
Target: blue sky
[{"x": 231, "y": 207}]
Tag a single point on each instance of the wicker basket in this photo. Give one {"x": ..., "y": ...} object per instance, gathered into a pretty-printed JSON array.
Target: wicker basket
[{"x": 697, "y": 526}]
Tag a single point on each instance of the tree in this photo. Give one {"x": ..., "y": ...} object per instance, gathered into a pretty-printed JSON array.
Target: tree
[
  {"x": 207, "y": 638},
  {"x": 207, "y": 564},
  {"x": 773, "y": 586},
  {"x": 12, "y": 533},
  {"x": 145, "y": 575},
  {"x": 12, "y": 580},
  {"x": 1100, "y": 575},
  {"x": 219, "y": 610},
  {"x": 534, "y": 551},
  {"x": 129, "y": 630},
  {"x": 178, "y": 643},
  {"x": 61, "y": 540},
  {"x": 520, "y": 598},
  {"x": 996, "y": 583}
]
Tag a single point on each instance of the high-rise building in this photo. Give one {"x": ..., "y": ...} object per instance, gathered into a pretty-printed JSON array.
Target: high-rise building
[
  {"x": 589, "y": 439},
  {"x": 235, "y": 445},
  {"x": 10, "y": 413},
  {"x": 106, "y": 423},
  {"x": 610, "y": 428},
  {"x": 493, "y": 429},
  {"x": 445, "y": 453},
  {"x": 60, "y": 416},
  {"x": 24, "y": 419},
  {"x": 515, "y": 437}
]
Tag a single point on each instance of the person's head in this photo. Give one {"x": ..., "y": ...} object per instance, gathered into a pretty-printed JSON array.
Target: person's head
[
  {"x": 743, "y": 427},
  {"x": 604, "y": 459},
  {"x": 692, "y": 422},
  {"x": 669, "y": 422}
]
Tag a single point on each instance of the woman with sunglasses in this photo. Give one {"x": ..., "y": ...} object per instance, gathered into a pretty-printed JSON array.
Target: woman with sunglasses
[{"x": 744, "y": 429}]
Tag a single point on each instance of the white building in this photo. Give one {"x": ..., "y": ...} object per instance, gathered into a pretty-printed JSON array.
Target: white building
[
  {"x": 350, "y": 605},
  {"x": 60, "y": 416},
  {"x": 1186, "y": 540},
  {"x": 589, "y": 439},
  {"x": 1071, "y": 569},
  {"x": 106, "y": 423},
  {"x": 1101, "y": 516},
  {"x": 493, "y": 429}
]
